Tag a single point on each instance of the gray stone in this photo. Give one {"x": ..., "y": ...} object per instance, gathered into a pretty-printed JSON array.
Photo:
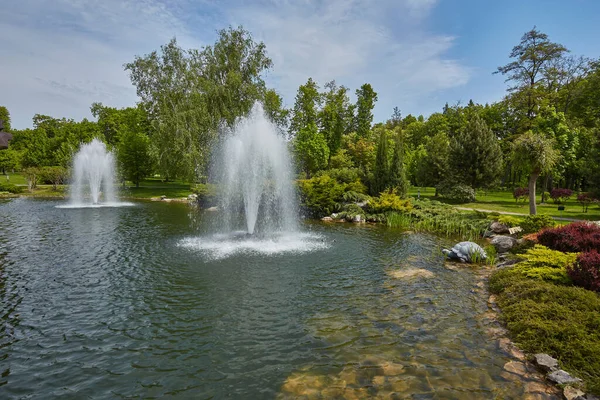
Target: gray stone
[
  {"x": 192, "y": 197},
  {"x": 562, "y": 377},
  {"x": 545, "y": 362},
  {"x": 503, "y": 243},
  {"x": 327, "y": 219},
  {"x": 508, "y": 263},
  {"x": 498, "y": 227},
  {"x": 163, "y": 197},
  {"x": 591, "y": 396}
]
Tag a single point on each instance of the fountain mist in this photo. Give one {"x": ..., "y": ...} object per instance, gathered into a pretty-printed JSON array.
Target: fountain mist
[
  {"x": 93, "y": 175},
  {"x": 257, "y": 178}
]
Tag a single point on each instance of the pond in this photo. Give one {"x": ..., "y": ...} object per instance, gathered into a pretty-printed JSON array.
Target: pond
[{"x": 129, "y": 303}]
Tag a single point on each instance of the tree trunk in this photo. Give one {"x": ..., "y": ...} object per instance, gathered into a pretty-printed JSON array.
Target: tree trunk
[{"x": 532, "y": 179}]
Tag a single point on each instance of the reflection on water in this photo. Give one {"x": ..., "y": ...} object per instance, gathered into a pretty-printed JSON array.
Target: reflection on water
[{"x": 136, "y": 302}]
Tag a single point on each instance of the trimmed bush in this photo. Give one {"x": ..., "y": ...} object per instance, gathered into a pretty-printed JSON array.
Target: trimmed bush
[
  {"x": 544, "y": 264},
  {"x": 575, "y": 237},
  {"x": 535, "y": 223},
  {"x": 559, "y": 195},
  {"x": 563, "y": 321},
  {"x": 509, "y": 220},
  {"x": 521, "y": 193},
  {"x": 586, "y": 271},
  {"x": 10, "y": 188},
  {"x": 457, "y": 192}
]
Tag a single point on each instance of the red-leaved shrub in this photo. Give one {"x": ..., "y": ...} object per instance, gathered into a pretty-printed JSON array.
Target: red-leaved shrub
[
  {"x": 586, "y": 271},
  {"x": 575, "y": 237},
  {"x": 559, "y": 195},
  {"x": 521, "y": 193}
]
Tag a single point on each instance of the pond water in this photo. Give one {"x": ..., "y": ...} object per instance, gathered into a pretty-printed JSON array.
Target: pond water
[{"x": 133, "y": 303}]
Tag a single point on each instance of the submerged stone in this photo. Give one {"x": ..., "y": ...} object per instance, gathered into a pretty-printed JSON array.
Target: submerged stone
[{"x": 411, "y": 273}]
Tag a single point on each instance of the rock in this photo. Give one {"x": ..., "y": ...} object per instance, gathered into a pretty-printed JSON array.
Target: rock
[
  {"x": 562, "y": 377},
  {"x": 591, "y": 396},
  {"x": 163, "y": 197},
  {"x": 192, "y": 197},
  {"x": 503, "y": 243},
  {"x": 515, "y": 367},
  {"x": 545, "y": 362},
  {"x": 357, "y": 218},
  {"x": 572, "y": 393},
  {"x": 410, "y": 273},
  {"x": 327, "y": 219},
  {"x": 212, "y": 209},
  {"x": 498, "y": 227},
  {"x": 508, "y": 263}
]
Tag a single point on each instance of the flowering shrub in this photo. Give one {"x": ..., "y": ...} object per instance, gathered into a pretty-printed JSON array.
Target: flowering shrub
[
  {"x": 521, "y": 194},
  {"x": 575, "y": 237},
  {"x": 559, "y": 195},
  {"x": 585, "y": 199},
  {"x": 586, "y": 271}
]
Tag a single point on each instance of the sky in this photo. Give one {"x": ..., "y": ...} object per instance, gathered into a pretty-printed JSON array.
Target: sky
[{"x": 57, "y": 57}]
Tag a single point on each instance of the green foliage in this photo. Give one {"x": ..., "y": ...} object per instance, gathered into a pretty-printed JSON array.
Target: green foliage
[
  {"x": 365, "y": 102},
  {"x": 563, "y": 321},
  {"x": 5, "y": 116},
  {"x": 542, "y": 263},
  {"x": 381, "y": 170},
  {"x": 306, "y": 106},
  {"x": 456, "y": 192},
  {"x": 10, "y": 188},
  {"x": 133, "y": 156},
  {"x": 509, "y": 220},
  {"x": 335, "y": 116},
  {"x": 475, "y": 155},
  {"x": 321, "y": 195},
  {"x": 343, "y": 175},
  {"x": 311, "y": 149},
  {"x": 388, "y": 201},
  {"x": 53, "y": 175},
  {"x": 429, "y": 164},
  {"x": 535, "y": 223},
  {"x": 355, "y": 197},
  {"x": 341, "y": 159},
  {"x": 398, "y": 179}
]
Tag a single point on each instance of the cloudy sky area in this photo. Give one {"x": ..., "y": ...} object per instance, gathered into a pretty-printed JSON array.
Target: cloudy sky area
[{"x": 59, "y": 56}]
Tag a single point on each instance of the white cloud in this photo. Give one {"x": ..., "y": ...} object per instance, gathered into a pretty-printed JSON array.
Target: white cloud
[{"x": 61, "y": 56}]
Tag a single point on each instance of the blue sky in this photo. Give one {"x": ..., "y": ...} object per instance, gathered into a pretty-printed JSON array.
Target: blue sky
[{"x": 60, "y": 56}]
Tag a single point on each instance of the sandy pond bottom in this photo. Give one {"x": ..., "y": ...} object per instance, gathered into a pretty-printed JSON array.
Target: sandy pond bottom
[{"x": 141, "y": 302}]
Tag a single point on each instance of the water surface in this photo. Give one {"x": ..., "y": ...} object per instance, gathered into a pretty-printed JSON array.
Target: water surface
[{"x": 136, "y": 302}]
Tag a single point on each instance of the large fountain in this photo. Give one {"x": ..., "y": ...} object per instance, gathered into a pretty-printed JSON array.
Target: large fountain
[
  {"x": 93, "y": 177},
  {"x": 258, "y": 208}
]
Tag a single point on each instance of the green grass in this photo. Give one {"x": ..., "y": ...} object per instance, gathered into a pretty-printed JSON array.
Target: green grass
[
  {"x": 15, "y": 179},
  {"x": 504, "y": 201}
]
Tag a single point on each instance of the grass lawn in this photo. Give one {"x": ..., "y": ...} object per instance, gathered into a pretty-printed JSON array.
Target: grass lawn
[
  {"x": 504, "y": 201},
  {"x": 15, "y": 179}
]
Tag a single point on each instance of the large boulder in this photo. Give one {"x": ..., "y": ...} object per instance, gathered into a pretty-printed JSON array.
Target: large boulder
[
  {"x": 498, "y": 228},
  {"x": 503, "y": 243}
]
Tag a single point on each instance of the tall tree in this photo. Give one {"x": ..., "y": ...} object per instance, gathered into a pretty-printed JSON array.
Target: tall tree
[
  {"x": 5, "y": 116},
  {"x": 534, "y": 154},
  {"x": 333, "y": 117},
  {"x": 531, "y": 56},
  {"x": 311, "y": 149},
  {"x": 365, "y": 102},
  {"x": 306, "y": 107},
  {"x": 133, "y": 155},
  {"x": 382, "y": 169},
  {"x": 398, "y": 179},
  {"x": 274, "y": 109},
  {"x": 475, "y": 154}
]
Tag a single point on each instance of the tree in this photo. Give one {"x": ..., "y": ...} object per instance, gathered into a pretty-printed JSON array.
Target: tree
[
  {"x": 365, "y": 102},
  {"x": 273, "y": 106},
  {"x": 311, "y": 149},
  {"x": 133, "y": 156},
  {"x": 306, "y": 107},
  {"x": 534, "y": 154},
  {"x": 532, "y": 55},
  {"x": 382, "y": 169},
  {"x": 5, "y": 116},
  {"x": 475, "y": 154},
  {"x": 333, "y": 117},
  {"x": 431, "y": 164},
  {"x": 398, "y": 179}
]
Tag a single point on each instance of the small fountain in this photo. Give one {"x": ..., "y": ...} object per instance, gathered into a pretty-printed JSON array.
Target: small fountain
[
  {"x": 258, "y": 210},
  {"x": 93, "y": 177}
]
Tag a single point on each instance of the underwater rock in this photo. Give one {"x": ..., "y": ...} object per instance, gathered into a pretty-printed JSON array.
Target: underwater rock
[
  {"x": 411, "y": 273},
  {"x": 516, "y": 367},
  {"x": 327, "y": 219}
]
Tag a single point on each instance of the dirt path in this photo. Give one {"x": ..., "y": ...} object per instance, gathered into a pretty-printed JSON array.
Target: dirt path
[{"x": 518, "y": 214}]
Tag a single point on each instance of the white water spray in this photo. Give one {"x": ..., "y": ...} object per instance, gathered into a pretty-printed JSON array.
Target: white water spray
[{"x": 93, "y": 176}]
